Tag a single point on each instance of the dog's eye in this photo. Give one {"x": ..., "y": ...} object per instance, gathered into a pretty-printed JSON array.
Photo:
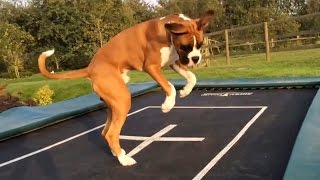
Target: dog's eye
[{"x": 186, "y": 48}]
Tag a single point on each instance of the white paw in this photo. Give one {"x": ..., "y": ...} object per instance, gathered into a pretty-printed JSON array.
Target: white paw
[
  {"x": 166, "y": 107},
  {"x": 122, "y": 152},
  {"x": 169, "y": 101},
  {"x": 126, "y": 160},
  {"x": 192, "y": 80},
  {"x": 185, "y": 92}
]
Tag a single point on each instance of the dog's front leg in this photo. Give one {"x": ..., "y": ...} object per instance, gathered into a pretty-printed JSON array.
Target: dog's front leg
[
  {"x": 190, "y": 77},
  {"x": 156, "y": 74}
]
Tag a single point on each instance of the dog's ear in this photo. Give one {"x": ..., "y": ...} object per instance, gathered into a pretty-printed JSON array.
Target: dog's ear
[
  {"x": 176, "y": 27},
  {"x": 204, "y": 20}
]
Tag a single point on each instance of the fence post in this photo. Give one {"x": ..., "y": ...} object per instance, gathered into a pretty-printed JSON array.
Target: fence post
[
  {"x": 266, "y": 37},
  {"x": 226, "y": 37}
]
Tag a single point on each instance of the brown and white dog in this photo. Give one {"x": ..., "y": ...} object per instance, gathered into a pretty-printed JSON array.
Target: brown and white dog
[{"x": 174, "y": 40}]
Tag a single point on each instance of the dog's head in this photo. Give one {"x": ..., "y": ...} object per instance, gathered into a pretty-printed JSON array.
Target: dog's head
[{"x": 187, "y": 37}]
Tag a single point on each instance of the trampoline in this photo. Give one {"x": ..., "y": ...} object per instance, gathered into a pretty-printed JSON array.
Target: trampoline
[{"x": 236, "y": 129}]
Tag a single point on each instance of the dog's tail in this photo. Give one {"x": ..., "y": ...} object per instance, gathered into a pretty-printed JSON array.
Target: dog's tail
[{"x": 68, "y": 75}]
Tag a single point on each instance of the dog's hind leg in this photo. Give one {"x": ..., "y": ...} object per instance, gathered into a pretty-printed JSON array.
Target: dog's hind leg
[
  {"x": 107, "y": 124},
  {"x": 112, "y": 136},
  {"x": 117, "y": 96}
]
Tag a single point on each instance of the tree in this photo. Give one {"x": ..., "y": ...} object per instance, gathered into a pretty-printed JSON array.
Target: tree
[
  {"x": 12, "y": 47},
  {"x": 193, "y": 9},
  {"x": 313, "y": 23},
  {"x": 63, "y": 27},
  {"x": 137, "y": 11},
  {"x": 292, "y": 7},
  {"x": 313, "y": 6}
]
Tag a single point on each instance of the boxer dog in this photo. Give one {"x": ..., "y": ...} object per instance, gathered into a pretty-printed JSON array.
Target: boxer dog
[{"x": 174, "y": 40}]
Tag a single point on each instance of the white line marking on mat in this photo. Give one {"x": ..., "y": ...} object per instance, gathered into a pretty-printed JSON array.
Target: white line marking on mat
[
  {"x": 151, "y": 139},
  {"x": 60, "y": 142},
  {"x": 46, "y": 148},
  {"x": 207, "y": 168},
  {"x": 146, "y": 139},
  {"x": 212, "y": 107},
  {"x": 143, "y": 138}
]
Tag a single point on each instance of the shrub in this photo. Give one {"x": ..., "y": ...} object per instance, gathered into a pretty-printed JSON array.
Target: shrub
[{"x": 44, "y": 95}]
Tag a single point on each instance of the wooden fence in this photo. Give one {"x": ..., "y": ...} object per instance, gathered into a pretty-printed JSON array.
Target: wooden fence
[{"x": 224, "y": 44}]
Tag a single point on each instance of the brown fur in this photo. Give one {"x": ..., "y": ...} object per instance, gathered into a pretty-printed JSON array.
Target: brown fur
[{"x": 136, "y": 48}]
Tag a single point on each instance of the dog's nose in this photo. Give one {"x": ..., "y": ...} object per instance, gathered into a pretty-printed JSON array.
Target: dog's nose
[{"x": 195, "y": 59}]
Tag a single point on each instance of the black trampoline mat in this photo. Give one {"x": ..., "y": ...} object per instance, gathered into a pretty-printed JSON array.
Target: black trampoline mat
[{"x": 244, "y": 134}]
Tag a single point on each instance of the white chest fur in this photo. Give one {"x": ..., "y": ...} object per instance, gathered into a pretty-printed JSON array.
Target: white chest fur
[{"x": 168, "y": 55}]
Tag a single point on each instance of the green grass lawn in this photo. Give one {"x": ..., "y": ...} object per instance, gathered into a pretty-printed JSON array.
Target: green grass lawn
[{"x": 300, "y": 63}]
